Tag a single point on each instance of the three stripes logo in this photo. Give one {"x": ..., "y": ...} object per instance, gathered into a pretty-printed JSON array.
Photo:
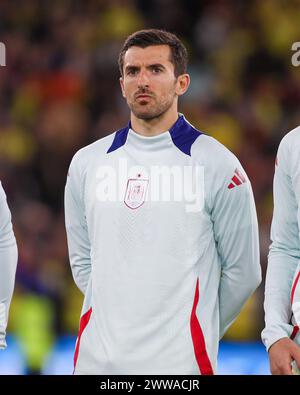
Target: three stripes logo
[{"x": 237, "y": 179}]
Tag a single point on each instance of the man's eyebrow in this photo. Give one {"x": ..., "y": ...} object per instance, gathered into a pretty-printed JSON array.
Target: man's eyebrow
[
  {"x": 150, "y": 66},
  {"x": 130, "y": 67},
  {"x": 156, "y": 65}
]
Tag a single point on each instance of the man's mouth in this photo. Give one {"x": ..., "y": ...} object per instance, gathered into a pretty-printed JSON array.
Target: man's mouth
[{"x": 143, "y": 96}]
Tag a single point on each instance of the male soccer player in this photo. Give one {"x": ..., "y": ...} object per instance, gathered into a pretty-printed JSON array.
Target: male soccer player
[
  {"x": 8, "y": 264},
  {"x": 161, "y": 226},
  {"x": 282, "y": 293}
]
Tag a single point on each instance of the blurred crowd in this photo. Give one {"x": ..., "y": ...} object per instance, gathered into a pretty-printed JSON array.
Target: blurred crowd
[{"x": 60, "y": 91}]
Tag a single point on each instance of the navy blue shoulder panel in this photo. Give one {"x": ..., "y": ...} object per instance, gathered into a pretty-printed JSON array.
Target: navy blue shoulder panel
[
  {"x": 120, "y": 139},
  {"x": 184, "y": 135}
]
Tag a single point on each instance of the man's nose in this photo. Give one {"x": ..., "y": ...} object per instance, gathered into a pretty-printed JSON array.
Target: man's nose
[{"x": 143, "y": 80}]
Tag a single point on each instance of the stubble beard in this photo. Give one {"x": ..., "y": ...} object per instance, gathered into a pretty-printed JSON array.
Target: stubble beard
[{"x": 147, "y": 112}]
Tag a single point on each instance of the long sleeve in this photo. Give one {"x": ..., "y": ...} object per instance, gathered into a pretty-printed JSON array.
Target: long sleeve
[
  {"x": 76, "y": 227},
  {"x": 8, "y": 264},
  {"x": 236, "y": 237},
  {"x": 284, "y": 252}
]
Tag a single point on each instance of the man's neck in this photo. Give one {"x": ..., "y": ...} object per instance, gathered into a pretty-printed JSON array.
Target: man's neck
[{"x": 155, "y": 126}]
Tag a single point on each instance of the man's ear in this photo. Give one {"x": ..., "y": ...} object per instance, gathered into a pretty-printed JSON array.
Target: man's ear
[
  {"x": 182, "y": 84},
  {"x": 122, "y": 86}
]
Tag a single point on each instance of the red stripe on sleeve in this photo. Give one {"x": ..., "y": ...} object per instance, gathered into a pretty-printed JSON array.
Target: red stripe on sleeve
[
  {"x": 84, "y": 320},
  {"x": 198, "y": 339},
  {"x": 294, "y": 287},
  {"x": 294, "y": 333}
]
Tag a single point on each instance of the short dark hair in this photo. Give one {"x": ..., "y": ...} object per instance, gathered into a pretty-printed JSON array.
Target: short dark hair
[{"x": 145, "y": 38}]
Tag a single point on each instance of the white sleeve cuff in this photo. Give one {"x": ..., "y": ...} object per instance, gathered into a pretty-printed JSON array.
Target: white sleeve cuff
[{"x": 273, "y": 334}]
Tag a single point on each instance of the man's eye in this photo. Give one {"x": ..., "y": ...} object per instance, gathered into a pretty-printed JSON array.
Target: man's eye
[
  {"x": 131, "y": 72},
  {"x": 156, "y": 70}
]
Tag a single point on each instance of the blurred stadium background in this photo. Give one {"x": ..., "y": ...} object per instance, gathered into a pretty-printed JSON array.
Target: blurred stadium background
[{"x": 59, "y": 91}]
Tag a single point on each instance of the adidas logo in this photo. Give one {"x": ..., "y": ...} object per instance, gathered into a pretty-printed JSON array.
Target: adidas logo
[{"x": 237, "y": 179}]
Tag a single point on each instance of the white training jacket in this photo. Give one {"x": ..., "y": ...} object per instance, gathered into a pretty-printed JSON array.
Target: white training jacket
[
  {"x": 8, "y": 264},
  {"x": 282, "y": 291},
  {"x": 163, "y": 242}
]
